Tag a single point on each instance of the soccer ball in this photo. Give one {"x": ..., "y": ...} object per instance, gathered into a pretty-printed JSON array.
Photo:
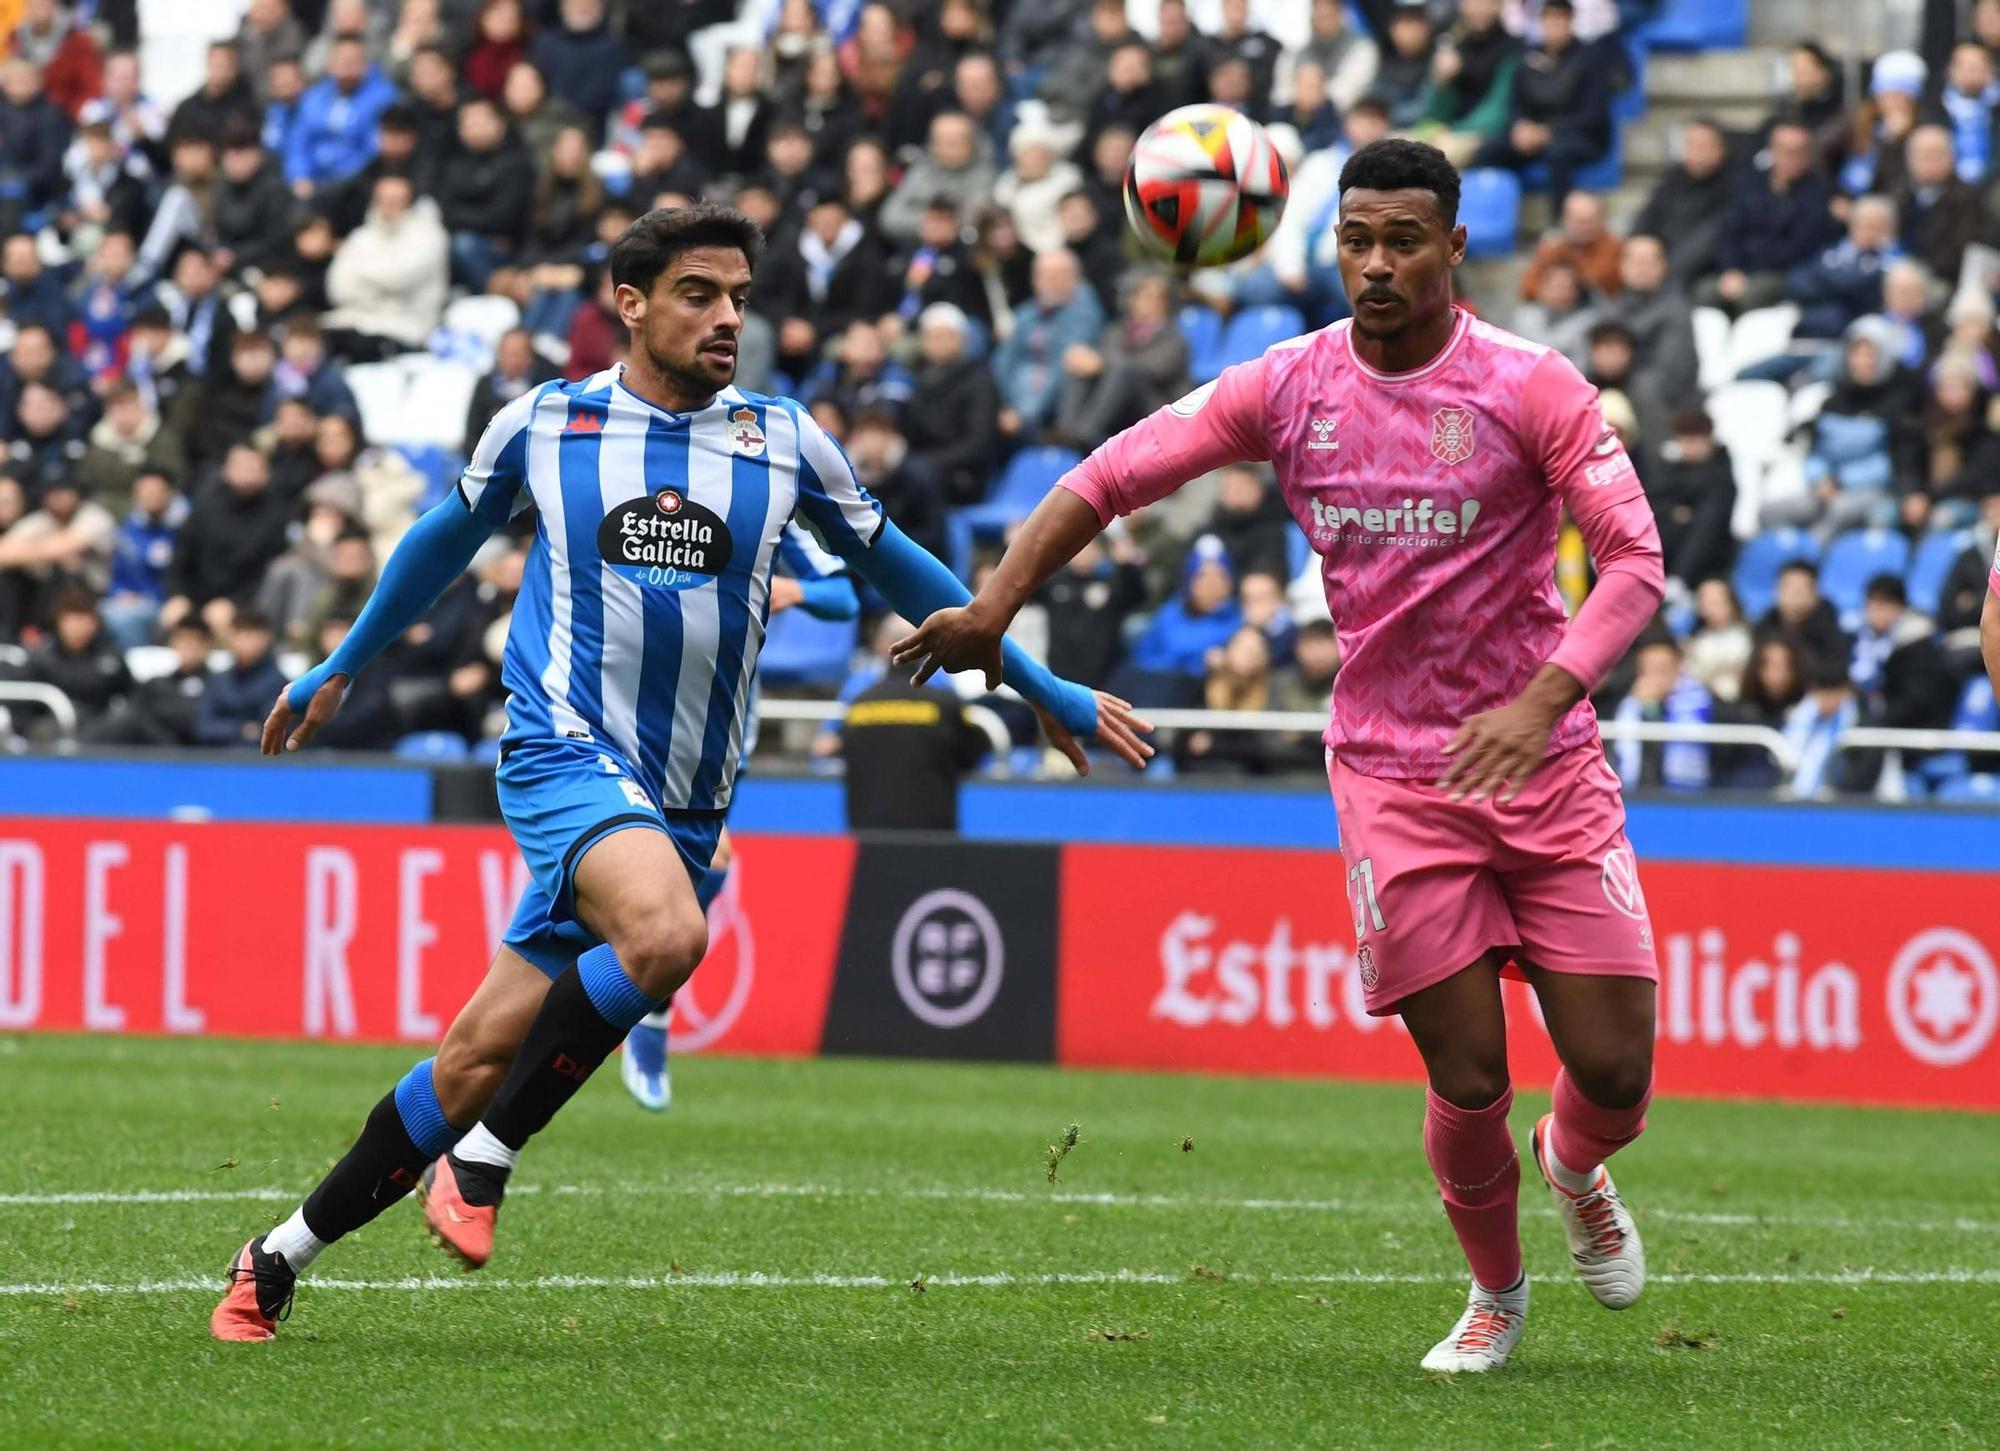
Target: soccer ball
[{"x": 1205, "y": 186}]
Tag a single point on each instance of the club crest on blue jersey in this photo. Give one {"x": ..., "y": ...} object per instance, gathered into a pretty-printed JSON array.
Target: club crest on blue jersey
[
  {"x": 744, "y": 435},
  {"x": 665, "y": 541}
]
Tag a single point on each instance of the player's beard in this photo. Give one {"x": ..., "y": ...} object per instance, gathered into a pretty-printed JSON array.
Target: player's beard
[{"x": 694, "y": 376}]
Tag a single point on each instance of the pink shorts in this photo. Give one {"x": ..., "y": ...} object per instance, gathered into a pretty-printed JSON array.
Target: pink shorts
[{"x": 1436, "y": 883}]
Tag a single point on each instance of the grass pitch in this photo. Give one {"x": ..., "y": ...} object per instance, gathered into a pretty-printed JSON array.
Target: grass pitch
[{"x": 852, "y": 1253}]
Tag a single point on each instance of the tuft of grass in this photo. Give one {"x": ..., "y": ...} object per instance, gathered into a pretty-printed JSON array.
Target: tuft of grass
[{"x": 1053, "y": 1156}]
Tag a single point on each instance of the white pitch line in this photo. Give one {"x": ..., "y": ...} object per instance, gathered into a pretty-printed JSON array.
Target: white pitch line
[
  {"x": 760, "y": 1280},
  {"x": 976, "y": 1195}
]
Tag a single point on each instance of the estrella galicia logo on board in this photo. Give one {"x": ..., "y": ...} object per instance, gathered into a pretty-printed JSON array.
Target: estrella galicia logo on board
[{"x": 665, "y": 541}]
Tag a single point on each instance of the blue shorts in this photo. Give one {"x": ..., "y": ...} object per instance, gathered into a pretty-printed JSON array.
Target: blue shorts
[{"x": 559, "y": 799}]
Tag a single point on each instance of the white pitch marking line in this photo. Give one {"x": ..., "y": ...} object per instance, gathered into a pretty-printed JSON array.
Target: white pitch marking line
[
  {"x": 760, "y": 1280},
  {"x": 1393, "y": 1208}
]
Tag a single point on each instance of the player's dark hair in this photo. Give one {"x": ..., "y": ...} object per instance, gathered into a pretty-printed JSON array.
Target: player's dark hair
[
  {"x": 652, "y": 243},
  {"x": 1394, "y": 164}
]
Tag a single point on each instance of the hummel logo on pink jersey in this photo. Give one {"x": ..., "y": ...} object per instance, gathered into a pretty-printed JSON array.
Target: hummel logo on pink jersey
[{"x": 1322, "y": 429}]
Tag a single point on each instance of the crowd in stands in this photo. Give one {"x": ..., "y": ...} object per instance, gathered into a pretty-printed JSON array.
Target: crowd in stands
[{"x": 191, "y": 504}]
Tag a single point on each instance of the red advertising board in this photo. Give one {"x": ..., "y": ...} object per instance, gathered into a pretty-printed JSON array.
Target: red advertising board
[
  {"x": 1783, "y": 982},
  {"x": 358, "y": 932}
]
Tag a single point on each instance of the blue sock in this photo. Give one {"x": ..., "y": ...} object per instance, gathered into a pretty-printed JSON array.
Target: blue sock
[
  {"x": 618, "y": 999},
  {"x": 423, "y": 1116}
]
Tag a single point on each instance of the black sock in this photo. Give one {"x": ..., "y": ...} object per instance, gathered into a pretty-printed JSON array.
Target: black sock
[
  {"x": 381, "y": 1168},
  {"x": 565, "y": 1043}
]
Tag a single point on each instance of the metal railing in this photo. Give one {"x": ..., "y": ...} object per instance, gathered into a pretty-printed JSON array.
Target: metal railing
[
  {"x": 820, "y": 711},
  {"x": 59, "y": 706}
]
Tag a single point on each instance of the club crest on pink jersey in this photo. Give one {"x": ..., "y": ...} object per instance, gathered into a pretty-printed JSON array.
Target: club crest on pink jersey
[
  {"x": 1364, "y": 959},
  {"x": 1451, "y": 435}
]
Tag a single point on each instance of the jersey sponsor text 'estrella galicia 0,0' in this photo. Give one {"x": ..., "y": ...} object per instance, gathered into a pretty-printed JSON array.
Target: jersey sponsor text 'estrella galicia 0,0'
[{"x": 643, "y": 604}]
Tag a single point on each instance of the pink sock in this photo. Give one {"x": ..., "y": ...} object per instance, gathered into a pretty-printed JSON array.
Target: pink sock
[
  {"x": 1478, "y": 1174},
  {"x": 1584, "y": 1134}
]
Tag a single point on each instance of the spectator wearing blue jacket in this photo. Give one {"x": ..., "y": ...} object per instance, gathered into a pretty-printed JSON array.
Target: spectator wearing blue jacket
[
  {"x": 1062, "y": 314},
  {"x": 140, "y": 556},
  {"x": 582, "y": 60},
  {"x": 1170, "y": 660},
  {"x": 334, "y": 134},
  {"x": 1845, "y": 281}
]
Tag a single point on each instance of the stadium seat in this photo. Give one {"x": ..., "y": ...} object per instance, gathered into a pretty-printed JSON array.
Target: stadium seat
[
  {"x": 441, "y": 747},
  {"x": 1298, "y": 553},
  {"x": 1855, "y": 558},
  {"x": 1604, "y": 174},
  {"x": 1968, "y": 790},
  {"x": 1630, "y": 102},
  {"x": 801, "y": 650},
  {"x": 1489, "y": 204},
  {"x": 1806, "y": 405},
  {"x": 1028, "y": 478},
  {"x": 1757, "y": 566},
  {"x": 1255, "y": 329},
  {"x": 1749, "y": 418},
  {"x": 440, "y": 397},
  {"x": 1760, "y": 335},
  {"x": 486, "y": 751},
  {"x": 1711, "y": 346},
  {"x": 381, "y": 392},
  {"x": 439, "y": 466},
  {"x": 150, "y": 662},
  {"x": 486, "y": 317},
  {"x": 1947, "y": 772},
  {"x": 1932, "y": 563},
  {"x": 1698, "y": 25},
  {"x": 1202, "y": 327}
]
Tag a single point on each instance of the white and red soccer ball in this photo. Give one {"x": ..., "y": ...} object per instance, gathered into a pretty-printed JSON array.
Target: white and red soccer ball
[{"x": 1205, "y": 186}]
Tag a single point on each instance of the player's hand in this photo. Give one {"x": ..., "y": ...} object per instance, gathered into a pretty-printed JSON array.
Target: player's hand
[
  {"x": 1118, "y": 730},
  {"x": 951, "y": 640},
  {"x": 785, "y": 592},
  {"x": 319, "y": 710},
  {"x": 1497, "y": 751}
]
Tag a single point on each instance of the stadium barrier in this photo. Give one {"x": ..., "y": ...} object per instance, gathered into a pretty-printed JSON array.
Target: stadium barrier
[{"x": 1830, "y": 983}]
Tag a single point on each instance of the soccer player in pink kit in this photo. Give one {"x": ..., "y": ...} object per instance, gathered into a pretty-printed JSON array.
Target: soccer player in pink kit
[{"x": 1429, "y": 457}]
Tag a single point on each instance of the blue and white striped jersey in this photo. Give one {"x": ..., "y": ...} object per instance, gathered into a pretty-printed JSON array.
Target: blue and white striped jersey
[{"x": 643, "y": 606}]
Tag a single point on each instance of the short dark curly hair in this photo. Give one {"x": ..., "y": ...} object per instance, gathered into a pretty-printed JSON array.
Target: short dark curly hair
[
  {"x": 650, "y": 245},
  {"x": 1394, "y": 164}
]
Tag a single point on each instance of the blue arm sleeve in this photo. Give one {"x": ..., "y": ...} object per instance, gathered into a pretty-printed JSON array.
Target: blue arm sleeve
[
  {"x": 434, "y": 553},
  {"x": 829, "y": 599},
  {"x": 918, "y": 585}
]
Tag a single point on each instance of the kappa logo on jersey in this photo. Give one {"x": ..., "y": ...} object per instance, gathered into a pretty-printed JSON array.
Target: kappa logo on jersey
[
  {"x": 665, "y": 541},
  {"x": 583, "y": 423},
  {"x": 744, "y": 434},
  {"x": 1322, "y": 430},
  {"x": 1451, "y": 435}
]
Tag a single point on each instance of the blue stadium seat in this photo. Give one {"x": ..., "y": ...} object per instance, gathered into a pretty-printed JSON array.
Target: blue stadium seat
[
  {"x": 1603, "y": 174},
  {"x": 440, "y": 747},
  {"x": 800, "y": 650},
  {"x": 1630, "y": 103},
  {"x": 1250, "y": 332},
  {"x": 1969, "y": 790},
  {"x": 1946, "y": 772},
  {"x": 1757, "y": 566},
  {"x": 1698, "y": 25},
  {"x": 439, "y": 466},
  {"x": 1202, "y": 327},
  {"x": 1932, "y": 563},
  {"x": 1298, "y": 552},
  {"x": 1029, "y": 476},
  {"x": 1855, "y": 558},
  {"x": 486, "y": 751},
  {"x": 1489, "y": 203}
]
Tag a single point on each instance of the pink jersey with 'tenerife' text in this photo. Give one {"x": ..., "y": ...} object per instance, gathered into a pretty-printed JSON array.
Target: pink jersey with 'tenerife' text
[{"x": 1433, "y": 498}]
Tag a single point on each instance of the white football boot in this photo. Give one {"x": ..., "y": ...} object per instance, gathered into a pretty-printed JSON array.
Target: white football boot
[
  {"x": 1485, "y": 1334},
  {"x": 1603, "y": 1239}
]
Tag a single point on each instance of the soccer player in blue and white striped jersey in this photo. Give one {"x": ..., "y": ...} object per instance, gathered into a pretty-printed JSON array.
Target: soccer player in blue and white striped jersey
[{"x": 663, "y": 491}]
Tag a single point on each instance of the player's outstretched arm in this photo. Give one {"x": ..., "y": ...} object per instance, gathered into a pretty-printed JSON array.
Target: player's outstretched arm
[
  {"x": 1218, "y": 423},
  {"x": 918, "y": 585},
  {"x": 434, "y": 553}
]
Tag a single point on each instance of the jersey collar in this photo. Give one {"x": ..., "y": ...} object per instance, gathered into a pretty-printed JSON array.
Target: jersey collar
[{"x": 1461, "y": 325}]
